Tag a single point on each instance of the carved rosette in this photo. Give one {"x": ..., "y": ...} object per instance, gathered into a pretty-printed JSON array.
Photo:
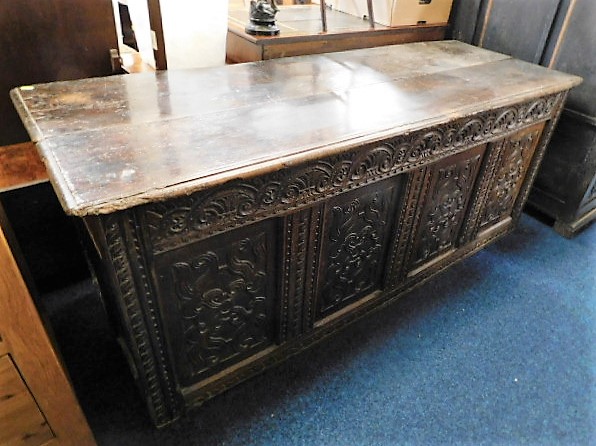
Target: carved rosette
[{"x": 241, "y": 202}]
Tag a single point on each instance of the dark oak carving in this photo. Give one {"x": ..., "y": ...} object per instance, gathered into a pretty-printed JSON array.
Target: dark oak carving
[
  {"x": 223, "y": 291},
  {"x": 302, "y": 231},
  {"x": 232, "y": 237},
  {"x": 143, "y": 334},
  {"x": 353, "y": 250},
  {"x": 452, "y": 183},
  {"x": 342, "y": 234},
  {"x": 222, "y": 303},
  {"x": 515, "y": 154},
  {"x": 198, "y": 395},
  {"x": 416, "y": 190}
]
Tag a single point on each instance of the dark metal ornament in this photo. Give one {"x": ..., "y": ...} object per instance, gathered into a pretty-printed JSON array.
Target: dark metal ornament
[{"x": 262, "y": 18}]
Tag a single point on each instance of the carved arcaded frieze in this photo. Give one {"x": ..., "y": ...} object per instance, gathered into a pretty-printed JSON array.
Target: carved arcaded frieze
[{"x": 241, "y": 202}]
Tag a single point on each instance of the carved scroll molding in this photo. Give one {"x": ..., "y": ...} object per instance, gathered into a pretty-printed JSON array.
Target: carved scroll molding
[
  {"x": 144, "y": 337},
  {"x": 241, "y": 202}
]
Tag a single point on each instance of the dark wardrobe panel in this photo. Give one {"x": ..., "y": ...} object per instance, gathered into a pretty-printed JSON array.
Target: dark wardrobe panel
[
  {"x": 50, "y": 40},
  {"x": 464, "y": 19},
  {"x": 518, "y": 28},
  {"x": 575, "y": 52}
]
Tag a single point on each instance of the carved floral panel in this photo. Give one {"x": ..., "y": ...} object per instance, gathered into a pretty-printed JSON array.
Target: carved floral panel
[
  {"x": 450, "y": 184},
  {"x": 223, "y": 293},
  {"x": 357, "y": 228},
  {"x": 515, "y": 155}
]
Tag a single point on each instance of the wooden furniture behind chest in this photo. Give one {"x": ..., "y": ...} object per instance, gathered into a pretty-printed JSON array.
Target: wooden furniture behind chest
[
  {"x": 37, "y": 403},
  {"x": 239, "y": 214},
  {"x": 301, "y": 34}
]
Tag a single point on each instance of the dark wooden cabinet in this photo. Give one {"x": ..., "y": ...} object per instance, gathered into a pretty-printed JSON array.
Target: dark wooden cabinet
[
  {"x": 558, "y": 34},
  {"x": 301, "y": 33},
  {"x": 50, "y": 41},
  {"x": 230, "y": 236}
]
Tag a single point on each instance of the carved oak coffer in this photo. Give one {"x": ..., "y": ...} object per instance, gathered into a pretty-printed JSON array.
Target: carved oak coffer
[{"x": 239, "y": 214}]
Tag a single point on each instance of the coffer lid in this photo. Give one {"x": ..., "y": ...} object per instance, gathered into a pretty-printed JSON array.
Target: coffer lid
[{"x": 116, "y": 142}]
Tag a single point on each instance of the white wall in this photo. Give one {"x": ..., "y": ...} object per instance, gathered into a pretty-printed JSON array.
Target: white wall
[
  {"x": 194, "y": 32},
  {"x": 139, "y": 15}
]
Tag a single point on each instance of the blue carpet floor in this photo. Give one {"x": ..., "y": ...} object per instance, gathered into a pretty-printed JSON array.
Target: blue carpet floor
[{"x": 498, "y": 350}]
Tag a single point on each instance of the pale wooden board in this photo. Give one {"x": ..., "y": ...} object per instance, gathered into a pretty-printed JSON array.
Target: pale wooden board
[{"x": 21, "y": 422}]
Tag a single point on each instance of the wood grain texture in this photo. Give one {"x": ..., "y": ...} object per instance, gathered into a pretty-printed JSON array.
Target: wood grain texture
[
  {"x": 30, "y": 348},
  {"x": 301, "y": 35},
  {"x": 21, "y": 422},
  {"x": 20, "y": 166},
  {"x": 353, "y": 40},
  {"x": 142, "y": 137}
]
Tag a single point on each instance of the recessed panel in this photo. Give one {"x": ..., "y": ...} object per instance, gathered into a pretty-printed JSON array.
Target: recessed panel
[
  {"x": 354, "y": 245},
  {"x": 218, "y": 299},
  {"x": 449, "y": 184},
  {"x": 516, "y": 154}
]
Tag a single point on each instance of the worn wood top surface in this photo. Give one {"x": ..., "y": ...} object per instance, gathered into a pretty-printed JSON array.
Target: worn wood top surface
[{"x": 115, "y": 142}]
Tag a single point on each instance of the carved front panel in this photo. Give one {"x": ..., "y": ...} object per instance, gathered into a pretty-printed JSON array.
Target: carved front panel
[
  {"x": 357, "y": 228},
  {"x": 218, "y": 297},
  {"x": 515, "y": 155},
  {"x": 450, "y": 184}
]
